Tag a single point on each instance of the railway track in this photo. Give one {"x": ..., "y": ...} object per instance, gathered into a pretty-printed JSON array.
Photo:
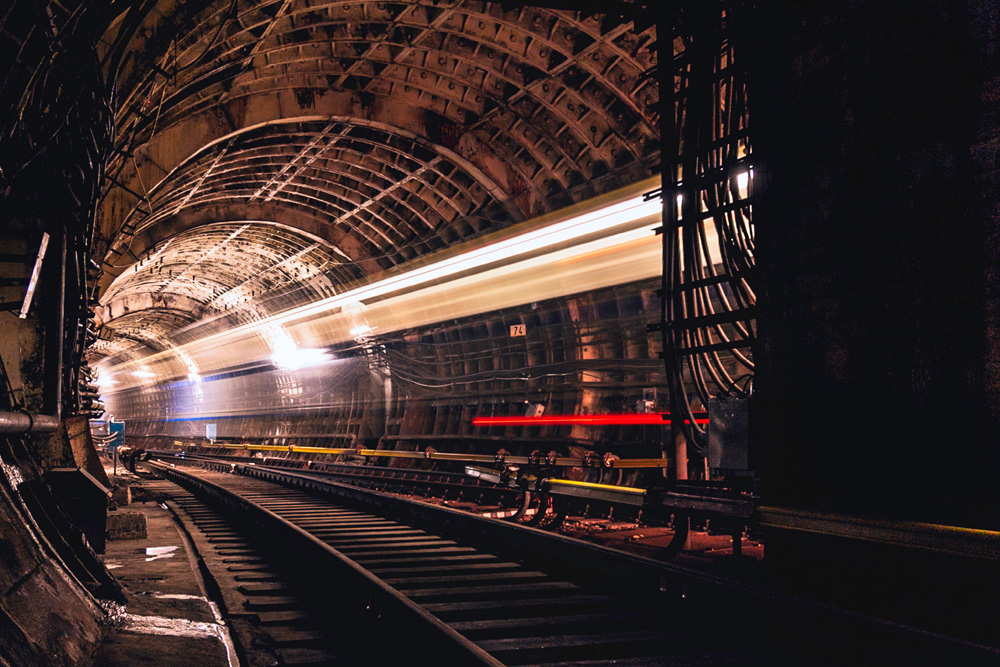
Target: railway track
[
  {"x": 426, "y": 483},
  {"x": 419, "y": 584},
  {"x": 514, "y": 493},
  {"x": 271, "y": 622}
]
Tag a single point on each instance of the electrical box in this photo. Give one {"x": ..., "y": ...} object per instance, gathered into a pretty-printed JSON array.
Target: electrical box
[
  {"x": 117, "y": 429},
  {"x": 647, "y": 403},
  {"x": 728, "y": 435}
]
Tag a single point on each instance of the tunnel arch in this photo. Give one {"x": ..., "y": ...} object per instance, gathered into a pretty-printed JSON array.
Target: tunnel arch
[
  {"x": 473, "y": 183},
  {"x": 195, "y": 217},
  {"x": 569, "y": 94},
  {"x": 389, "y": 131}
]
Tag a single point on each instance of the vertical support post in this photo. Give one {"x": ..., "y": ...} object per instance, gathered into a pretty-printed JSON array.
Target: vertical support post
[
  {"x": 669, "y": 154},
  {"x": 54, "y": 334},
  {"x": 680, "y": 453}
]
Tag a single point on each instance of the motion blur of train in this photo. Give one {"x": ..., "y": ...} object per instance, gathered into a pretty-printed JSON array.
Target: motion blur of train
[{"x": 541, "y": 339}]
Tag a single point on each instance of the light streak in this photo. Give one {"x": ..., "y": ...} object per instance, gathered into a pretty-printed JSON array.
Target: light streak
[
  {"x": 295, "y": 359},
  {"x": 602, "y": 220},
  {"x": 517, "y": 267},
  {"x": 608, "y": 250},
  {"x": 658, "y": 418}
]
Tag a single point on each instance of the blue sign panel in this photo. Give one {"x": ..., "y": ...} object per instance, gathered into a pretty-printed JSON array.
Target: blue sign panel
[{"x": 116, "y": 429}]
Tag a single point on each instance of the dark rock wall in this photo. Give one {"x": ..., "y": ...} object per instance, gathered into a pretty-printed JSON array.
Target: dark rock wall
[
  {"x": 877, "y": 229},
  {"x": 46, "y": 617},
  {"x": 877, "y": 235}
]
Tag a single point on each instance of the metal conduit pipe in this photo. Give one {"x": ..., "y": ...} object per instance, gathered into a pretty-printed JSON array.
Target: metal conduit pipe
[{"x": 26, "y": 422}]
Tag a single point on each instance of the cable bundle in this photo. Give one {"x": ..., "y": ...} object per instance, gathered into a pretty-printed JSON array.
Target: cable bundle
[{"x": 709, "y": 302}]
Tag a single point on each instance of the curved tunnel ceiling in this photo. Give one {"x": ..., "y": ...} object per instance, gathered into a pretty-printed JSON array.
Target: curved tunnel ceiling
[
  {"x": 287, "y": 150},
  {"x": 245, "y": 271}
]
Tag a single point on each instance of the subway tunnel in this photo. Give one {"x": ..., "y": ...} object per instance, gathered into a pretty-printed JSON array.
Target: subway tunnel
[{"x": 709, "y": 285}]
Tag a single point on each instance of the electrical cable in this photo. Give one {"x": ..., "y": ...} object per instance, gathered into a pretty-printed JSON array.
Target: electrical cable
[{"x": 711, "y": 143}]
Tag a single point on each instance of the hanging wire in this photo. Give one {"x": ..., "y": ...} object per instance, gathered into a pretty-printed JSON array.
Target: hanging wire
[{"x": 709, "y": 307}]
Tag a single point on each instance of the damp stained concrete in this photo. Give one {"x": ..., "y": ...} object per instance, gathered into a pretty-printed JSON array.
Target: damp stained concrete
[{"x": 168, "y": 620}]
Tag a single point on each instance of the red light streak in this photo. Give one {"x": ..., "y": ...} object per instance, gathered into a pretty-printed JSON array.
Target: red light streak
[{"x": 659, "y": 418}]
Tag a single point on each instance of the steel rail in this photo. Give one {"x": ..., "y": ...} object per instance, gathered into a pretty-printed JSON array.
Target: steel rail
[
  {"x": 814, "y": 627},
  {"x": 955, "y": 540},
  {"x": 563, "y": 461},
  {"x": 397, "y": 478},
  {"x": 594, "y": 589},
  {"x": 584, "y": 560},
  {"x": 654, "y": 502},
  {"x": 454, "y": 648}
]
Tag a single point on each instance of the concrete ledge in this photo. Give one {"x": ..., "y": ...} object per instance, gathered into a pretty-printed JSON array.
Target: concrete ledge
[
  {"x": 168, "y": 619},
  {"x": 126, "y": 526}
]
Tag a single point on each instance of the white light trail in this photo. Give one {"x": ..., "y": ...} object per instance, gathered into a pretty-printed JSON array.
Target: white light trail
[
  {"x": 603, "y": 220},
  {"x": 295, "y": 359},
  {"x": 423, "y": 292}
]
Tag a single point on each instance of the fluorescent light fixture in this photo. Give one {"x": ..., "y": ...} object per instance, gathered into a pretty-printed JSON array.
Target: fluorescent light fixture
[
  {"x": 35, "y": 272},
  {"x": 294, "y": 359},
  {"x": 144, "y": 374}
]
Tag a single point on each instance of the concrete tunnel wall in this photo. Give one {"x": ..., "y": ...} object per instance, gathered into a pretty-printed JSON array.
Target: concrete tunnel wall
[{"x": 378, "y": 133}]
